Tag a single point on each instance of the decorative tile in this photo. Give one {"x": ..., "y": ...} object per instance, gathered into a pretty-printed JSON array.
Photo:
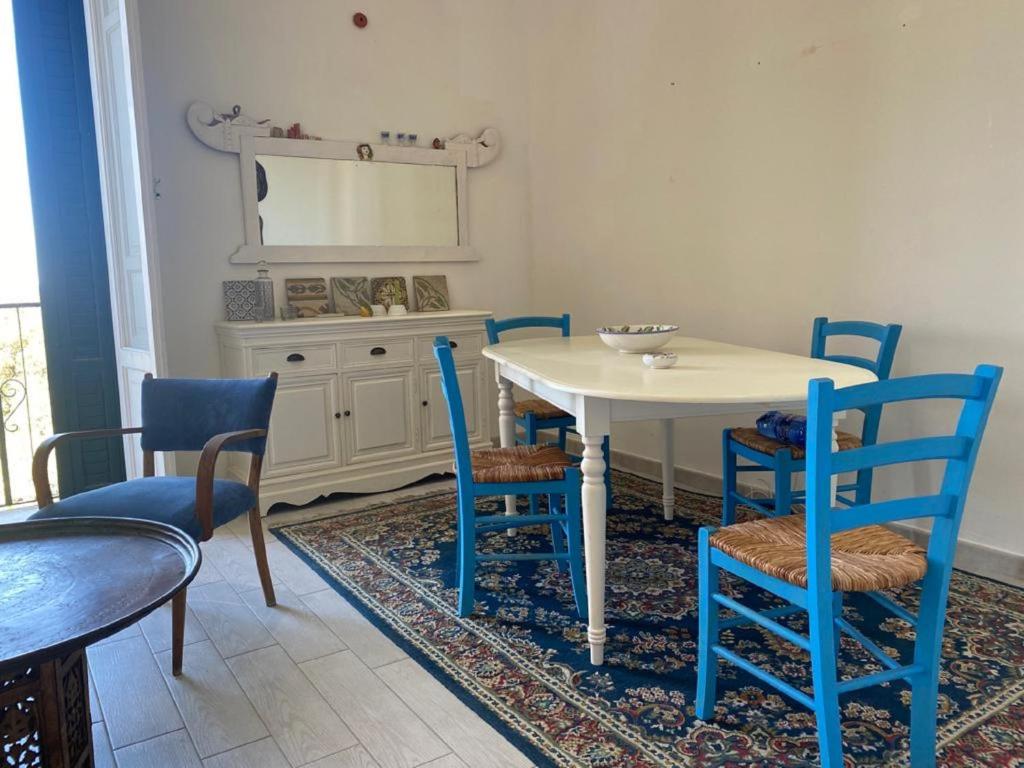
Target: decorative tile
[
  {"x": 431, "y": 293},
  {"x": 350, "y": 294},
  {"x": 389, "y": 290},
  {"x": 308, "y": 295},
  {"x": 240, "y": 299}
]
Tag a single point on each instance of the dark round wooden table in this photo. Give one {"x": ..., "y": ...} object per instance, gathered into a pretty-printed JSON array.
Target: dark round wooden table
[{"x": 64, "y": 584}]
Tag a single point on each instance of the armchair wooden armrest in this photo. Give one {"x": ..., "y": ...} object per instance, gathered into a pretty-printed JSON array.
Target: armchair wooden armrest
[
  {"x": 205, "y": 473},
  {"x": 40, "y": 473}
]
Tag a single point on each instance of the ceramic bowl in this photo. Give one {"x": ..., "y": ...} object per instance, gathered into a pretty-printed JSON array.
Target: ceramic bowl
[
  {"x": 637, "y": 338},
  {"x": 660, "y": 359}
]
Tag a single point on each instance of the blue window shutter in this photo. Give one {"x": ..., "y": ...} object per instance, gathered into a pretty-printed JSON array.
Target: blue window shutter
[{"x": 60, "y": 139}]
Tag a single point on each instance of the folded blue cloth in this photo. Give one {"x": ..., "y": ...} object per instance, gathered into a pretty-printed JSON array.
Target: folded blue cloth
[{"x": 785, "y": 427}]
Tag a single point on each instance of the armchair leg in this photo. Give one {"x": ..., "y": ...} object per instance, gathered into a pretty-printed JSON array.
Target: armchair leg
[
  {"x": 259, "y": 548},
  {"x": 177, "y": 631}
]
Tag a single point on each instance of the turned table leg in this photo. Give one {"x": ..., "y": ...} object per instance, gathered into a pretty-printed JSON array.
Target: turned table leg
[
  {"x": 507, "y": 433},
  {"x": 594, "y": 520},
  {"x": 668, "y": 468}
]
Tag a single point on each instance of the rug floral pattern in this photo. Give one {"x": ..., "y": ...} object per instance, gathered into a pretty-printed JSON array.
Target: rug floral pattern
[{"x": 522, "y": 660}]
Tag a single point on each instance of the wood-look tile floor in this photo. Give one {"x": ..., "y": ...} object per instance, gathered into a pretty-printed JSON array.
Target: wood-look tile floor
[{"x": 307, "y": 683}]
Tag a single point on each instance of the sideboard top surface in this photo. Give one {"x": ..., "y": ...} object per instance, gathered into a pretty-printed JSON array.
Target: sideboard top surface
[{"x": 346, "y": 323}]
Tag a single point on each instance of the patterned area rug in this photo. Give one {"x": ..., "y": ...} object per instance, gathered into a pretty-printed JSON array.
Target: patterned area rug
[{"x": 522, "y": 660}]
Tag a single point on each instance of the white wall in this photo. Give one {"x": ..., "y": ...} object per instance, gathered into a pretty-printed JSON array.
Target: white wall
[
  {"x": 739, "y": 168},
  {"x": 435, "y": 68}
]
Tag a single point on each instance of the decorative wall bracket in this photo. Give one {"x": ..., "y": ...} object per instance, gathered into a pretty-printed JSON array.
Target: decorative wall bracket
[
  {"x": 223, "y": 131},
  {"x": 479, "y": 151}
]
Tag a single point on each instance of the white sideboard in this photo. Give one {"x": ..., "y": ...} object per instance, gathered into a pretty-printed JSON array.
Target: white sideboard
[{"x": 359, "y": 406}]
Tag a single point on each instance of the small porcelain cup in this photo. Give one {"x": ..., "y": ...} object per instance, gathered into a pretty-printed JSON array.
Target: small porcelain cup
[
  {"x": 397, "y": 309},
  {"x": 378, "y": 310},
  {"x": 660, "y": 359}
]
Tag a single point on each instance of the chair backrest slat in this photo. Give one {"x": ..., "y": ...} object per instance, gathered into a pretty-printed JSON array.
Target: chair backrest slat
[
  {"x": 887, "y": 336},
  {"x": 930, "y": 386},
  {"x": 456, "y": 412},
  {"x": 902, "y": 452},
  {"x": 960, "y": 451},
  {"x": 860, "y": 362},
  {"x": 881, "y": 512},
  {"x": 497, "y": 327}
]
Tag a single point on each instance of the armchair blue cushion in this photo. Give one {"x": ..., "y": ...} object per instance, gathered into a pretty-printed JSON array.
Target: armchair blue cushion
[
  {"x": 168, "y": 499},
  {"x": 182, "y": 414}
]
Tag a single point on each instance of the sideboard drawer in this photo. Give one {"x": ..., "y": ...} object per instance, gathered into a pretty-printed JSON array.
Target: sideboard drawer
[
  {"x": 463, "y": 345},
  {"x": 298, "y": 358},
  {"x": 381, "y": 352}
]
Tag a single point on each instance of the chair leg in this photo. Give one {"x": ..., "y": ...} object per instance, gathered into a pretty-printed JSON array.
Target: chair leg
[
  {"x": 259, "y": 548},
  {"x": 606, "y": 449},
  {"x": 177, "y": 631},
  {"x": 557, "y": 532},
  {"x": 707, "y": 661},
  {"x": 783, "y": 484},
  {"x": 837, "y": 612},
  {"x": 826, "y": 691},
  {"x": 467, "y": 554},
  {"x": 531, "y": 439},
  {"x": 574, "y": 533},
  {"x": 728, "y": 480},
  {"x": 924, "y": 687}
]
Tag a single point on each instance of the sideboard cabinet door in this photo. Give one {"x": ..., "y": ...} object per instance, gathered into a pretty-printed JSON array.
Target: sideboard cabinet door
[
  {"x": 436, "y": 431},
  {"x": 378, "y": 415},
  {"x": 303, "y": 428}
]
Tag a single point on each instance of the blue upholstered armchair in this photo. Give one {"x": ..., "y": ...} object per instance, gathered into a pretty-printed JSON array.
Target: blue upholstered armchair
[{"x": 208, "y": 415}]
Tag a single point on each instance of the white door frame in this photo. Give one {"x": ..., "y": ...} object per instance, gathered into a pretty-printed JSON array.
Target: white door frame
[{"x": 106, "y": 19}]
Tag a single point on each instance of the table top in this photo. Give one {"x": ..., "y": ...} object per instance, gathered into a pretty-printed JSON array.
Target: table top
[
  {"x": 707, "y": 371},
  {"x": 66, "y": 583}
]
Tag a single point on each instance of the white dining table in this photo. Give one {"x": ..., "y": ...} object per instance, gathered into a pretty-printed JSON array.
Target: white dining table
[{"x": 599, "y": 386}]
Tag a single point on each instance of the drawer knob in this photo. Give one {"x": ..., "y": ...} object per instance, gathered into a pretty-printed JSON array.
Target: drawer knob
[
  {"x": 337, "y": 415},
  {"x": 453, "y": 344},
  {"x": 295, "y": 357},
  {"x": 425, "y": 403},
  {"x": 378, "y": 351},
  {"x": 348, "y": 413}
]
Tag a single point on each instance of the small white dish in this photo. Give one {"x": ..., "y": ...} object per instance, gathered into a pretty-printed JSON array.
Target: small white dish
[
  {"x": 379, "y": 310},
  {"x": 397, "y": 309},
  {"x": 660, "y": 360},
  {"x": 637, "y": 338}
]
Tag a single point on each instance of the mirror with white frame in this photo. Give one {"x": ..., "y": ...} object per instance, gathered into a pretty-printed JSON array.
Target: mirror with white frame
[{"x": 309, "y": 200}]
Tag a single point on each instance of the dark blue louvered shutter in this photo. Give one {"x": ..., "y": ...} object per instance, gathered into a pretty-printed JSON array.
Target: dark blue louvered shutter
[{"x": 60, "y": 140}]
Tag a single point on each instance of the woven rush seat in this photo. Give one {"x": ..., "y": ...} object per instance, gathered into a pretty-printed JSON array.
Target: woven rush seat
[
  {"x": 863, "y": 559},
  {"x": 754, "y": 440},
  {"x": 522, "y": 464},
  {"x": 542, "y": 409}
]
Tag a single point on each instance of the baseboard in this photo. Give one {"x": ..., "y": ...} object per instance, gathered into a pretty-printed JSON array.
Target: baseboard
[{"x": 979, "y": 559}]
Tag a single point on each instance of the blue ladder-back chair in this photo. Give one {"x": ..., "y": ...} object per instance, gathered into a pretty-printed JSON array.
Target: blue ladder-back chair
[
  {"x": 811, "y": 561},
  {"x": 524, "y": 470},
  {"x": 783, "y": 459},
  {"x": 208, "y": 415},
  {"x": 537, "y": 414}
]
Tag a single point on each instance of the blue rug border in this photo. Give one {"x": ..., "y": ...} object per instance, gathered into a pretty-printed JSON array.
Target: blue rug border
[{"x": 529, "y": 750}]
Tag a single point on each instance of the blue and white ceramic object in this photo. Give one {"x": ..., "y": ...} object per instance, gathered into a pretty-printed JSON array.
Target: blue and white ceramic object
[{"x": 660, "y": 359}]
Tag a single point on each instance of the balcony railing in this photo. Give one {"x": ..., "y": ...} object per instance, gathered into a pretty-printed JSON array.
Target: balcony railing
[{"x": 24, "y": 398}]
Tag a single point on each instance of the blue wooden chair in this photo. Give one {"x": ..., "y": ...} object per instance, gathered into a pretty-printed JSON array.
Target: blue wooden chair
[
  {"x": 770, "y": 455},
  {"x": 811, "y": 561},
  {"x": 211, "y": 415},
  {"x": 523, "y": 470},
  {"x": 537, "y": 414}
]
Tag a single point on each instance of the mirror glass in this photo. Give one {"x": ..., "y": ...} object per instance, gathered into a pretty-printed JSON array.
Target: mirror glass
[{"x": 317, "y": 201}]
